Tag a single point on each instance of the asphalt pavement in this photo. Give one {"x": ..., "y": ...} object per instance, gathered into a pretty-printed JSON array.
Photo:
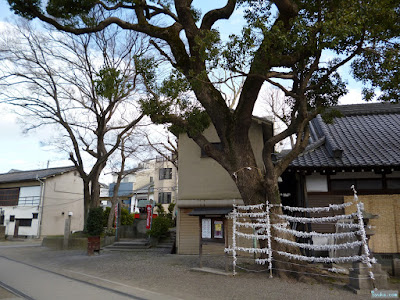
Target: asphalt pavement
[
  {"x": 41, "y": 273},
  {"x": 31, "y": 282}
]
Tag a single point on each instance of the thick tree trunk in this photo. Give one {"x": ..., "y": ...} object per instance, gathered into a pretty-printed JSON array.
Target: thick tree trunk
[
  {"x": 86, "y": 200},
  {"x": 111, "y": 216}
]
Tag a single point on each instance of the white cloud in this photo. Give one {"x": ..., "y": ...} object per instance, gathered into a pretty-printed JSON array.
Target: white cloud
[{"x": 354, "y": 96}]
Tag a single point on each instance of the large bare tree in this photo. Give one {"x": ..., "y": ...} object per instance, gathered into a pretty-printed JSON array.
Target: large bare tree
[
  {"x": 85, "y": 86},
  {"x": 282, "y": 44}
]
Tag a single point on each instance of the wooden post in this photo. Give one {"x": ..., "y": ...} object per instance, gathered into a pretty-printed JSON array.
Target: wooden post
[
  {"x": 225, "y": 228},
  {"x": 67, "y": 230},
  {"x": 200, "y": 244},
  {"x": 16, "y": 228}
]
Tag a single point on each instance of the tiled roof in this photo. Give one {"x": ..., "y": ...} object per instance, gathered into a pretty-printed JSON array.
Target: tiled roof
[
  {"x": 366, "y": 136},
  {"x": 18, "y": 176}
]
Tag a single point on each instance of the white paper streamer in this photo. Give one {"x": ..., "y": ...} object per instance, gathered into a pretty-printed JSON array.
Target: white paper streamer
[
  {"x": 249, "y": 207},
  {"x": 316, "y": 220},
  {"x": 311, "y": 234},
  {"x": 316, "y": 209},
  {"x": 262, "y": 228},
  {"x": 251, "y": 225},
  {"x": 326, "y": 260},
  {"x": 248, "y": 250},
  {"x": 319, "y": 247},
  {"x": 336, "y": 270},
  {"x": 253, "y": 236}
]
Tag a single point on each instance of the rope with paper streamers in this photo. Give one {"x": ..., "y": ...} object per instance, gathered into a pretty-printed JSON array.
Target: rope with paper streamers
[{"x": 260, "y": 214}]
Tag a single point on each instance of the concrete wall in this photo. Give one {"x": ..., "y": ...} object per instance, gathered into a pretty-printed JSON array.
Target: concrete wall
[{"x": 62, "y": 194}]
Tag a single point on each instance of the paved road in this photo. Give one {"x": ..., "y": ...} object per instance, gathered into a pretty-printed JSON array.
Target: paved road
[{"x": 31, "y": 282}]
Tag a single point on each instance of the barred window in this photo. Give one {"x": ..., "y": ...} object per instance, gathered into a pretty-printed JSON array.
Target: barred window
[
  {"x": 164, "y": 198},
  {"x": 165, "y": 173},
  {"x": 9, "y": 197},
  {"x": 25, "y": 222}
]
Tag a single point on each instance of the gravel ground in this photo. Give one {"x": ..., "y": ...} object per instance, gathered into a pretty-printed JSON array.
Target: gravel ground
[{"x": 172, "y": 275}]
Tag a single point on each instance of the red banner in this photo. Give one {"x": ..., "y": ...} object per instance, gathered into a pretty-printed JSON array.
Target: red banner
[{"x": 149, "y": 216}]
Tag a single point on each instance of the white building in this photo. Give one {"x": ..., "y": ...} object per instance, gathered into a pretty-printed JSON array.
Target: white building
[
  {"x": 153, "y": 181},
  {"x": 36, "y": 203}
]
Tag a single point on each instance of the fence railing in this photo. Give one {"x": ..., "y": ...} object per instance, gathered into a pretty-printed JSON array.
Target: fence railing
[{"x": 29, "y": 201}]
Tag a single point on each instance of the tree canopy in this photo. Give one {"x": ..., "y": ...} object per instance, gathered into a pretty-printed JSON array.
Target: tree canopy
[{"x": 295, "y": 45}]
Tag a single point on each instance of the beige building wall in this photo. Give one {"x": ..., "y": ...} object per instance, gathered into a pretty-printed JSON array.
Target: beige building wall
[
  {"x": 387, "y": 226},
  {"x": 204, "y": 183},
  {"x": 165, "y": 185},
  {"x": 62, "y": 194},
  {"x": 190, "y": 236},
  {"x": 202, "y": 177}
]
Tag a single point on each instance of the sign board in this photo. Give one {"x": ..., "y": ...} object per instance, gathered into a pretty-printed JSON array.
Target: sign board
[
  {"x": 206, "y": 228},
  {"x": 149, "y": 216},
  {"x": 218, "y": 234}
]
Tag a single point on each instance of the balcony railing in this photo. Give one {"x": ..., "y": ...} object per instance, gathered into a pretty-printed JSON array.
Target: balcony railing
[{"x": 29, "y": 201}]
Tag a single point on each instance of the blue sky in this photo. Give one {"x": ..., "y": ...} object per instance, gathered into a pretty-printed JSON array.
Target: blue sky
[{"x": 19, "y": 151}]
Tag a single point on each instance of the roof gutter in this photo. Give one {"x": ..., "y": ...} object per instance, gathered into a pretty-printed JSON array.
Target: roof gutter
[{"x": 40, "y": 206}]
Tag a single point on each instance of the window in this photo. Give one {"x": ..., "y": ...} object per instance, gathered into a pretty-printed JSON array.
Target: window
[
  {"x": 12, "y": 218},
  {"x": 25, "y": 222},
  {"x": 393, "y": 183},
  {"x": 359, "y": 184},
  {"x": 165, "y": 173},
  {"x": 342, "y": 185},
  {"x": 151, "y": 179},
  {"x": 164, "y": 198},
  {"x": 9, "y": 197},
  {"x": 212, "y": 228},
  {"x": 35, "y": 215}
]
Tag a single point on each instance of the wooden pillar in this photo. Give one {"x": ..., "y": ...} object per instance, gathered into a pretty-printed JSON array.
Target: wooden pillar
[
  {"x": 200, "y": 244},
  {"x": 225, "y": 228},
  {"x": 16, "y": 228},
  {"x": 67, "y": 231}
]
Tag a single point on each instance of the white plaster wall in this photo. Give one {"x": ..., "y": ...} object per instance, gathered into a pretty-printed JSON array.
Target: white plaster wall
[
  {"x": 202, "y": 177},
  {"x": 62, "y": 194},
  {"x": 20, "y": 213},
  {"x": 317, "y": 183}
]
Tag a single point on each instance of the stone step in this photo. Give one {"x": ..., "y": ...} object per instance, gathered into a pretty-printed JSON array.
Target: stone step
[
  {"x": 165, "y": 245},
  {"x": 131, "y": 243},
  {"x": 134, "y": 244}
]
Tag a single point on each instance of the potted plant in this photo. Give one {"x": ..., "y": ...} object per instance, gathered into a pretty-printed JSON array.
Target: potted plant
[{"x": 94, "y": 228}]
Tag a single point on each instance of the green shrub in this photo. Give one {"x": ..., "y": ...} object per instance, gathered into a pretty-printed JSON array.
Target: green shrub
[
  {"x": 106, "y": 212},
  {"x": 94, "y": 226},
  {"x": 160, "y": 209},
  {"x": 126, "y": 217},
  {"x": 159, "y": 227},
  {"x": 110, "y": 232}
]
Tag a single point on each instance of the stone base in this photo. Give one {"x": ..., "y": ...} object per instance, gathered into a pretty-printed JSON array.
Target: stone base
[
  {"x": 360, "y": 282},
  {"x": 396, "y": 267}
]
